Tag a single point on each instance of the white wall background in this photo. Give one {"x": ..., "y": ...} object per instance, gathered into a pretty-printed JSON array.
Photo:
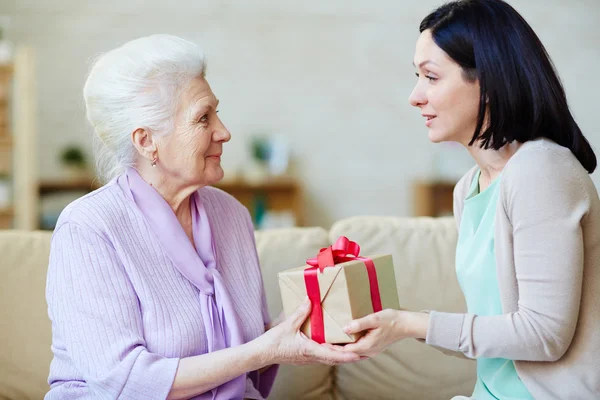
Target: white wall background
[{"x": 332, "y": 76}]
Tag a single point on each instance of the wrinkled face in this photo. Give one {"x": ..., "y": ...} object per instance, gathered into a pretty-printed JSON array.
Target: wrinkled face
[
  {"x": 449, "y": 102},
  {"x": 192, "y": 153}
]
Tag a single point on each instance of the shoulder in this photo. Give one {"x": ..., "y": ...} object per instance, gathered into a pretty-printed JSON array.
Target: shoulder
[
  {"x": 543, "y": 163},
  {"x": 99, "y": 211},
  {"x": 546, "y": 173},
  {"x": 85, "y": 231},
  {"x": 543, "y": 155}
]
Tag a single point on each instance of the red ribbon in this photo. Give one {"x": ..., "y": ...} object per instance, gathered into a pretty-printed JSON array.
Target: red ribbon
[{"x": 342, "y": 251}]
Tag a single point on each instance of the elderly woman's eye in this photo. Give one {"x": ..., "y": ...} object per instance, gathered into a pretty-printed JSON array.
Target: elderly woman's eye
[{"x": 203, "y": 118}]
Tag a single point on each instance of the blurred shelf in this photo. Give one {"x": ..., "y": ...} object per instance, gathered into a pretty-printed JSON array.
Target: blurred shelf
[
  {"x": 271, "y": 194},
  {"x": 275, "y": 183},
  {"x": 5, "y": 141},
  {"x": 280, "y": 183},
  {"x": 6, "y": 212},
  {"x": 7, "y": 150},
  {"x": 6, "y": 71},
  {"x": 6, "y": 68},
  {"x": 433, "y": 198},
  {"x": 6, "y": 217},
  {"x": 54, "y": 186},
  {"x": 274, "y": 193}
]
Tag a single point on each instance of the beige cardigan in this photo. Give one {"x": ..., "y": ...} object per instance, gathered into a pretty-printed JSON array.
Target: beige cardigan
[{"x": 547, "y": 247}]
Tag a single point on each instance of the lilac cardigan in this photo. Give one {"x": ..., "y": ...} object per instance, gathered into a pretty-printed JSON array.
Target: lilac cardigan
[{"x": 123, "y": 315}]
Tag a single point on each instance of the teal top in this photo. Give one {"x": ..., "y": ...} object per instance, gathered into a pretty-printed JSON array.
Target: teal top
[{"x": 476, "y": 272}]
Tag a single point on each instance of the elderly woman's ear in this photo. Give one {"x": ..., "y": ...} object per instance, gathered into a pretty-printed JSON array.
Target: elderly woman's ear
[{"x": 145, "y": 144}]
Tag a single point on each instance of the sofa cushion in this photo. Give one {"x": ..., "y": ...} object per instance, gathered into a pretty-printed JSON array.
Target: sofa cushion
[
  {"x": 25, "y": 333},
  {"x": 423, "y": 251},
  {"x": 280, "y": 249}
]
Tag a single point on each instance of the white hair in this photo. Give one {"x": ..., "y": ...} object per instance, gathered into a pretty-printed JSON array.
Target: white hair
[{"x": 137, "y": 85}]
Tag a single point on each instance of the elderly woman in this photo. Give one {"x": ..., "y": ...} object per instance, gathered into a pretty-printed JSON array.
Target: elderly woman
[
  {"x": 154, "y": 287},
  {"x": 528, "y": 213}
]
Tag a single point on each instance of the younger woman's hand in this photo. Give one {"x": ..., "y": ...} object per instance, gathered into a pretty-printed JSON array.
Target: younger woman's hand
[{"x": 384, "y": 328}]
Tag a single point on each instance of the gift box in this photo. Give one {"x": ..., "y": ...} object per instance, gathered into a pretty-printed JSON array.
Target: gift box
[{"x": 342, "y": 286}]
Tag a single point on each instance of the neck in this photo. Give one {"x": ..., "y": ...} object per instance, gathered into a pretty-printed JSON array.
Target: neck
[
  {"x": 491, "y": 162},
  {"x": 176, "y": 193}
]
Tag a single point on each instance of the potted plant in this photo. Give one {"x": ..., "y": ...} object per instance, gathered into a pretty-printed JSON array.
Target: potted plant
[
  {"x": 75, "y": 162},
  {"x": 257, "y": 170}
]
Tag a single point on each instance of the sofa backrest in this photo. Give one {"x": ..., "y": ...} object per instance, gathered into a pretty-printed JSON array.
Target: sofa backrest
[
  {"x": 278, "y": 250},
  {"x": 423, "y": 251},
  {"x": 25, "y": 330}
]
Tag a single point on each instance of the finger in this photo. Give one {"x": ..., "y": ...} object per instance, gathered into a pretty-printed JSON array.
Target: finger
[
  {"x": 334, "y": 347},
  {"x": 362, "y": 324},
  {"x": 329, "y": 356},
  {"x": 300, "y": 315},
  {"x": 362, "y": 346},
  {"x": 357, "y": 348},
  {"x": 354, "y": 348}
]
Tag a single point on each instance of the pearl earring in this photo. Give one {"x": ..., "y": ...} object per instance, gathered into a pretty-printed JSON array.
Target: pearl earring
[{"x": 153, "y": 162}]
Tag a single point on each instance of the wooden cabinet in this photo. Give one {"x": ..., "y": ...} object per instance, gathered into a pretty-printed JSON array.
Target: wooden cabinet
[
  {"x": 278, "y": 194},
  {"x": 18, "y": 158},
  {"x": 433, "y": 198},
  {"x": 6, "y": 150}
]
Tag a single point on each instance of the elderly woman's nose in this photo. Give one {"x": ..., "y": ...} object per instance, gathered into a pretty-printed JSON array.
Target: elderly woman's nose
[{"x": 221, "y": 133}]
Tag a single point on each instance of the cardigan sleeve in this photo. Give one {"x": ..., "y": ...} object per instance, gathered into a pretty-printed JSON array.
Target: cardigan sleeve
[
  {"x": 460, "y": 192},
  {"x": 95, "y": 312},
  {"x": 545, "y": 200},
  {"x": 458, "y": 196}
]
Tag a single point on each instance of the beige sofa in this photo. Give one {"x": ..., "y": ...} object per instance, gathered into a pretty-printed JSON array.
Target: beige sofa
[{"x": 423, "y": 251}]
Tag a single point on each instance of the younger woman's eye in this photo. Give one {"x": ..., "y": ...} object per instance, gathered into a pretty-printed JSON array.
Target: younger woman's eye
[{"x": 429, "y": 77}]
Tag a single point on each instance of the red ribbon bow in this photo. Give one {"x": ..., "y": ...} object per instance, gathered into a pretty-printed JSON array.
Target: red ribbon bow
[{"x": 342, "y": 251}]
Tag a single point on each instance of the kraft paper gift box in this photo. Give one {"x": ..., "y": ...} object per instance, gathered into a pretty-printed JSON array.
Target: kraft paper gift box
[{"x": 343, "y": 286}]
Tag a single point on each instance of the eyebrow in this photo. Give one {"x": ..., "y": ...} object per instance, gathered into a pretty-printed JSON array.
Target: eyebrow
[
  {"x": 422, "y": 63},
  {"x": 207, "y": 107}
]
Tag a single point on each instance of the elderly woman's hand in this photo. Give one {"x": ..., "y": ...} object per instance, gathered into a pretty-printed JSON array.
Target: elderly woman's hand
[
  {"x": 384, "y": 328},
  {"x": 286, "y": 344}
]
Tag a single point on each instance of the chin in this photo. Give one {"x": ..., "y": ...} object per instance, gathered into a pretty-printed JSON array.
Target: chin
[
  {"x": 215, "y": 176},
  {"x": 435, "y": 137}
]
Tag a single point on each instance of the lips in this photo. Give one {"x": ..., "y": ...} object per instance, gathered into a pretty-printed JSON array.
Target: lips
[{"x": 428, "y": 119}]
